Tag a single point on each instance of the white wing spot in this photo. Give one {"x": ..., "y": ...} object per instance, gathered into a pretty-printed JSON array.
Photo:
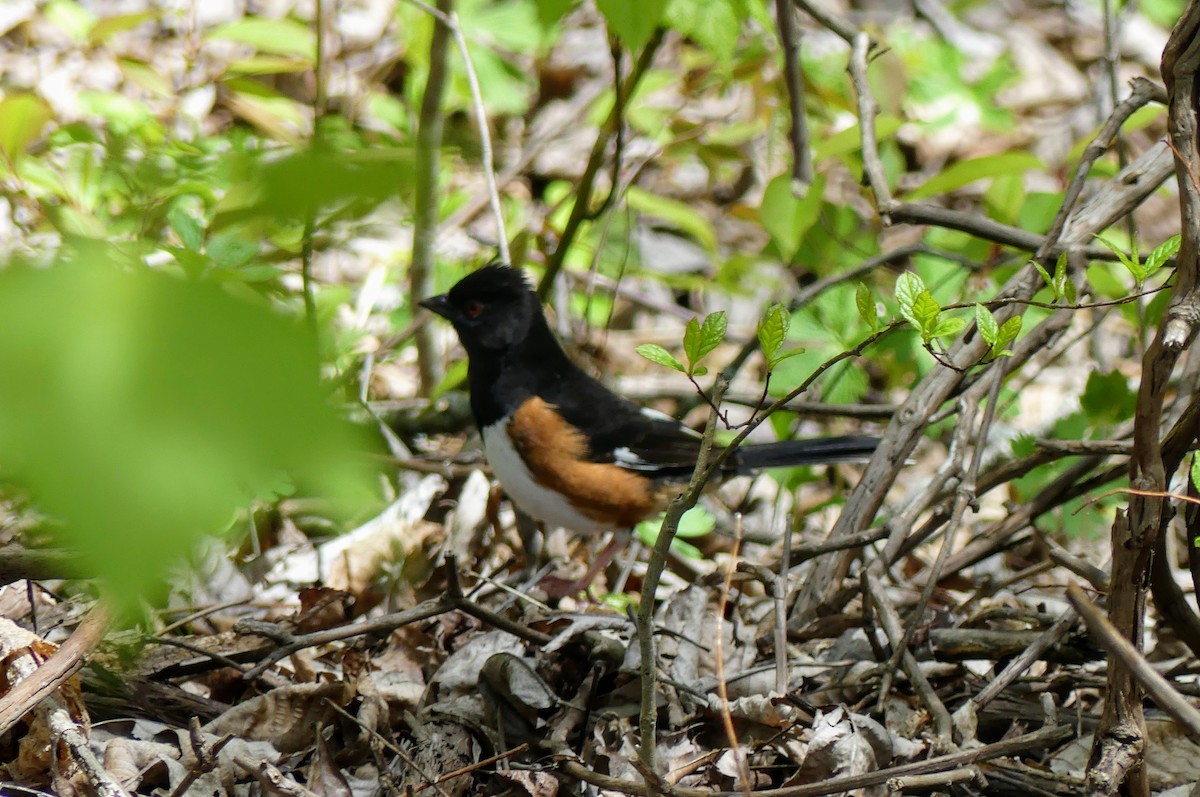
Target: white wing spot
[{"x": 627, "y": 459}]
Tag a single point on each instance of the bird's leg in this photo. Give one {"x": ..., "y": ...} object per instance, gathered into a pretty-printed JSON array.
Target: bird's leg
[
  {"x": 529, "y": 530},
  {"x": 556, "y": 587}
]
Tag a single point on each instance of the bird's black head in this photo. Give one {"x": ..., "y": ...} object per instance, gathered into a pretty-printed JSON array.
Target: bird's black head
[{"x": 492, "y": 309}]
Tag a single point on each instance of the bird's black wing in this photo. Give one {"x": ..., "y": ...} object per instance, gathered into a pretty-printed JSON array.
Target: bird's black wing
[{"x": 619, "y": 431}]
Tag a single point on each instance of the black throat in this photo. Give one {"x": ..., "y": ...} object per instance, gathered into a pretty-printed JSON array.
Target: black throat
[{"x": 501, "y": 381}]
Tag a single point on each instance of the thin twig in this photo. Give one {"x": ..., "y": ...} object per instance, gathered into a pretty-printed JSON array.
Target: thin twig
[
  {"x": 648, "y": 721},
  {"x": 1158, "y": 687},
  {"x": 427, "y": 152},
  {"x": 793, "y": 78}
]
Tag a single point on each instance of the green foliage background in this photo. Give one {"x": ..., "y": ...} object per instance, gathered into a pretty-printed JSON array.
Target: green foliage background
[{"x": 152, "y": 383}]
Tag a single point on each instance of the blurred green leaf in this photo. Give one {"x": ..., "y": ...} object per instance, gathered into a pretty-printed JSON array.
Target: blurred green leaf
[
  {"x": 107, "y": 27},
  {"x": 632, "y": 21},
  {"x": 551, "y": 11},
  {"x": 71, "y": 17},
  {"x": 1107, "y": 397},
  {"x": 713, "y": 24},
  {"x": 679, "y": 214},
  {"x": 786, "y": 217},
  {"x": 275, "y": 113},
  {"x": 966, "y": 172},
  {"x": 187, "y": 227},
  {"x": 274, "y": 36},
  {"x": 231, "y": 250},
  {"x": 311, "y": 180},
  {"x": 141, "y": 411},
  {"x": 22, "y": 118},
  {"x": 696, "y": 522}
]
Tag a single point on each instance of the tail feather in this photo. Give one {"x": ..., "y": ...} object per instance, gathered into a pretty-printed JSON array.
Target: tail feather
[{"x": 810, "y": 451}]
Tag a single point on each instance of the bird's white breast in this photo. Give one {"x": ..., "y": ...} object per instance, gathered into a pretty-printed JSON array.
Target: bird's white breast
[{"x": 540, "y": 502}]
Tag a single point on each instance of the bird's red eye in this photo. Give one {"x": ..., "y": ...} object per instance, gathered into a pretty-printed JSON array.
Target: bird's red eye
[{"x": 473, "y": 308}]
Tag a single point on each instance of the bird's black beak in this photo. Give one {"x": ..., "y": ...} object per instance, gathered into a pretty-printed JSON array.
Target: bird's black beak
[{"x": 439, "y": 304}]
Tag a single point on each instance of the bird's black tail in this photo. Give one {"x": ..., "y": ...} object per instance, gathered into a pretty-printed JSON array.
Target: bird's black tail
[{"x": 809, "y": 451}]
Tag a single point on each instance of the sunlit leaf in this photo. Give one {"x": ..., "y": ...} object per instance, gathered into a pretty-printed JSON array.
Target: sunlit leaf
[
  {"x": 22, "y": 118},
  {"x": 713, "y": 24},
  {"x": 966, "y": 172},
  {"x": 633, "y": 21},
  {"x": 772, "y": 330},
  {"x": 989, "y": 330},
  {"x": 687, "y": 218},
  {"x": 657, "y": 354},
  {"x": 107, "y": 27},
  {"x": 274, "y": 36},
  {"x": 187, "y": 227},
  {"x": 712, "y": 331}
]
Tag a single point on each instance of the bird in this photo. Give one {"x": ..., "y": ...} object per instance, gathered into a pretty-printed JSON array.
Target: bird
[{"x": 567, "y": 450}]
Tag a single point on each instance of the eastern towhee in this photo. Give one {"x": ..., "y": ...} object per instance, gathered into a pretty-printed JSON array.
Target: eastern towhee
[{"x": 567, "y": 450}]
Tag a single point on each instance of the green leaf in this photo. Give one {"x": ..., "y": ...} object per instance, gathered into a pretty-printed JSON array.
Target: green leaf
[
  {"x": 989, "y": 330},
  {"x": 713, "y": 24},
  {"x": 187, "y": 227},
  {"x": 231, "y": 250},
  {"x": 1005, "y": 198},
  {"x": 657, "y": 354},
  {"x": 696, "y": 522},
  {"x": 142, "y": 411},
  {"x": 1162, "y": 253},
  {"x": 274, "y": 36},
  {"x": 776, "y": 360},
  {"x": 966, "y": 172},
  {"x": 700, "y": 339},
  {"x": 1195, "y": 474},
  {"x": 1107, "y": 397},
  {"x": 1046, "y": 278},
  {"x": 772, "y": 330},
  {"x": 455, "y": 375},
  {"x": 632, "y": 21},
  {"x": 926, "y": 310},
  {"x": 712, "y": 331},
  {"x": 866, "y": 306},
  {"x": 551, "y": 11},
  {"x": 908, "y": 287},
  {"x": 788, "y": 218},
  {"x": 22, "y": 117},
  {"x": 1063, "y": 286},
  {"x": 108, "y": 27},
  {"x": 1009, "y": 331},
  {"x": 946, "y": 327},
  {"x": 691, "y": 342},
  {"x": 1132, "y": 263},
  {"x": 311, "y": 180},
  {"x": 681, "y": 215}
]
